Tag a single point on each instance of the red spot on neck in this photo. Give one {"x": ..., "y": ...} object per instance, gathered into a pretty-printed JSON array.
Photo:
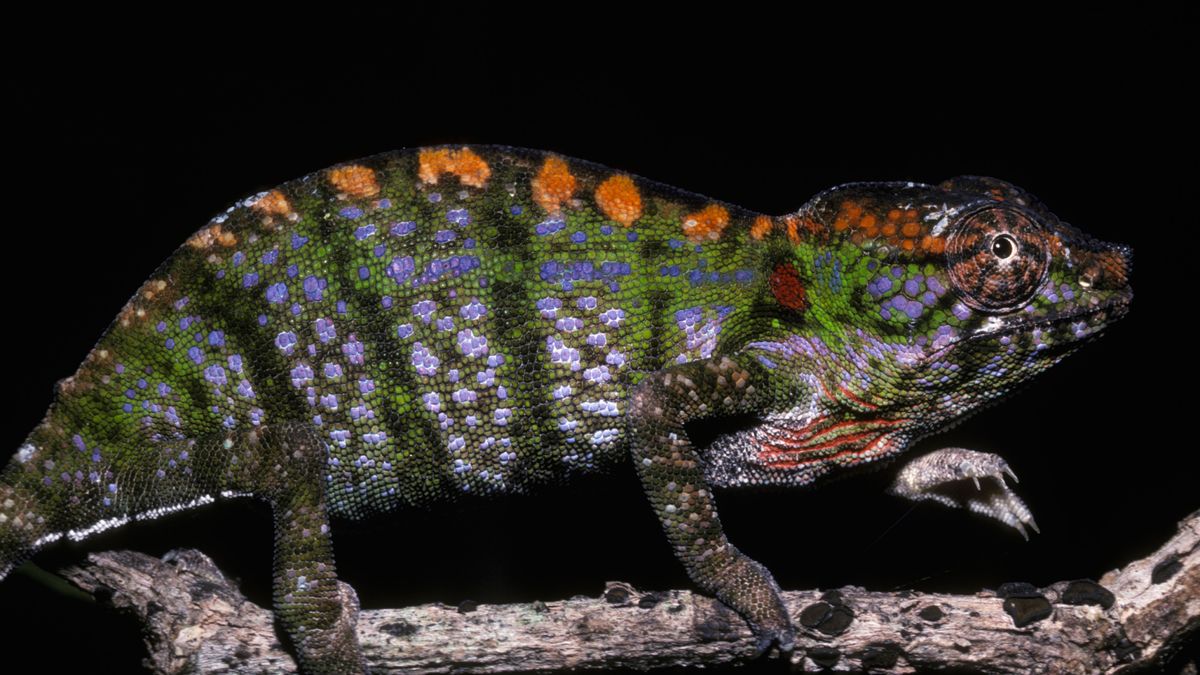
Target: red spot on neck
[{"x": 787, "y": 287}]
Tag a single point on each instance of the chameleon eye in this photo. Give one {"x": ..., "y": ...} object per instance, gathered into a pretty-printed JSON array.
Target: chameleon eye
[
  {"x": 1004, "y": 246},
  {"x": 998, "y": 257}
]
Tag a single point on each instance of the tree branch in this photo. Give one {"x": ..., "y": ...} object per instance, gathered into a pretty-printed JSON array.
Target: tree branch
[{"x": 196, "y": 621}]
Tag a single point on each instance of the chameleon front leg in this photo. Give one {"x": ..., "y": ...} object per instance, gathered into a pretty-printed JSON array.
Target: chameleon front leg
[
  {"x": 672, "y": 476},
  {"x": 961, "y": 478},
  {"x": 285, "y": 465}
]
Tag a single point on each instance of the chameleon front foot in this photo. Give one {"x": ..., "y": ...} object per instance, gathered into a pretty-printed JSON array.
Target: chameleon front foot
[{"x": 961, "y": 478}]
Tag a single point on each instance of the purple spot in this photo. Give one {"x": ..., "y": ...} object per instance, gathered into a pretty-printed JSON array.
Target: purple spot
[
  {"x": 613, "y": 317},
  {"x": 215, "y": 374},
  {"x": 459, "y": 217},
  {"x": 401, "y": 268},
  {"x": 549, "y": 307},
  {"x": 286, "y": 342},
  {"x": 298, "y": 241},
  {"x": 470, "y": 344},
  {"x": 364, "y": 232},
  {"x": 473, "y": 310},
  {"x": 216, "y": 338},
  {"x": 424, "y": 361},
  {"x": 913, "y": 309},
  {"x": 404, "y": 330},
  {"x": 548, "y": 227},
  {"x": 444, "y": 236},
  {"x": 351, "y": 212},
  {"x": 314, "y": 287},
  {"x": 432, "y": 401},
  {"x": 425, "y": 309},
  {"x": 403, "y": 228},
  {"x": 196, "y": 355},
  {"x": 277, "y": 293},
  {"x": 569, "y": 324},
  {"x": 301, "y": 375},
  {"x": 354, "y": 350}
]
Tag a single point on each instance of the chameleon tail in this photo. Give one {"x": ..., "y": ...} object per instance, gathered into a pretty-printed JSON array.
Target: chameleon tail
[{"x": 22, "y": 529}]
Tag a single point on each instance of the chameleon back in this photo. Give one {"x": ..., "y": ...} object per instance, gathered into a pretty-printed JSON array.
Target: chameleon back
[{"x": 452, "y": 320}]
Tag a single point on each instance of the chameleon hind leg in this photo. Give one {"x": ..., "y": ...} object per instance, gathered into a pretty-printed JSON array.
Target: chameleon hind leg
[
  {"x": 284, "y": 464},
  {"x": 672, "y": 475}
]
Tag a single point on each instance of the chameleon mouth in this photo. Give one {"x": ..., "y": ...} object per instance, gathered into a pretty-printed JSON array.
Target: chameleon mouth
[{"x": 1096, "y": 319}]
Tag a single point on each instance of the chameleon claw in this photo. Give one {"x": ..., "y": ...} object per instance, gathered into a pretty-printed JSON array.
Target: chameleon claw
[
  {"x": 1012, "y": 474},
  {"x": 975, "y": 479},
  {"x": 1021, "y": 529}
]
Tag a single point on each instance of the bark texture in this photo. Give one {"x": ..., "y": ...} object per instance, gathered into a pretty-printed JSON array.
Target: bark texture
[{"x": 196, "y": 621}]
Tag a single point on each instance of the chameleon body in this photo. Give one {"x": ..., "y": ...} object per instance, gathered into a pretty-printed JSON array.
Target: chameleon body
[{"x": 431, "y": 324}]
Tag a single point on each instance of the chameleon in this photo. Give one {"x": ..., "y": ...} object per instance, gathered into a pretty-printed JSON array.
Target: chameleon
[{"x": 452, "y": 322}]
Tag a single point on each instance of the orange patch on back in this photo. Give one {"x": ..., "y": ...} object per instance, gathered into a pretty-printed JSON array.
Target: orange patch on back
[
  {"x": 554, "y": 185},
  {"x": 470, "y": 168},
  {"x": 212, "y": 235},
  {"x": 793, "y": 229},
  {"x": 273, "y": 204},
  {"x": 619, "y": 199},
  {"x": 431, "y": 164},
  {"x": 896, "y": 227},
  {"x": 354, "y": 181},
  {"x": 761, "y": 227},
  {"x": 707, "y": 223}
]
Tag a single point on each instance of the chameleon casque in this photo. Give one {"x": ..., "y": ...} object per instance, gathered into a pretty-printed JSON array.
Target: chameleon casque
[{"x": 430, "y": 324}]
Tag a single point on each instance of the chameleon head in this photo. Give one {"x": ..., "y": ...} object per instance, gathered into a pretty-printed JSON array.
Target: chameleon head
[{"x": 960, "y": 290}]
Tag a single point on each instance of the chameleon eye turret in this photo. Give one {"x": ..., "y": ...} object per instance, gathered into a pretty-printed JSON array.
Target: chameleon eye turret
[
  {"x": 998, "y": 256},
  {"x": 457, "y": 322}
]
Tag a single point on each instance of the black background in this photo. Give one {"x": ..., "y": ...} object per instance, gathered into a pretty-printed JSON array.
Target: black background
[{"x": 130, "y": 132}]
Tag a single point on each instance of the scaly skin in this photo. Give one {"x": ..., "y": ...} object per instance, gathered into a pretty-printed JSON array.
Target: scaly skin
[{"x": 423, "y": 325}]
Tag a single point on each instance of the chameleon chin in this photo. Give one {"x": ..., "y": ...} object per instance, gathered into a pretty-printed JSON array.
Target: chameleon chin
[{"x": 456, "y": 322}]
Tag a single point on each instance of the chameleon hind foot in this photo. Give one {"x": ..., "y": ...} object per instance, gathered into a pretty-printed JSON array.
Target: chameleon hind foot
[{"x": 961, "y": 478}]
